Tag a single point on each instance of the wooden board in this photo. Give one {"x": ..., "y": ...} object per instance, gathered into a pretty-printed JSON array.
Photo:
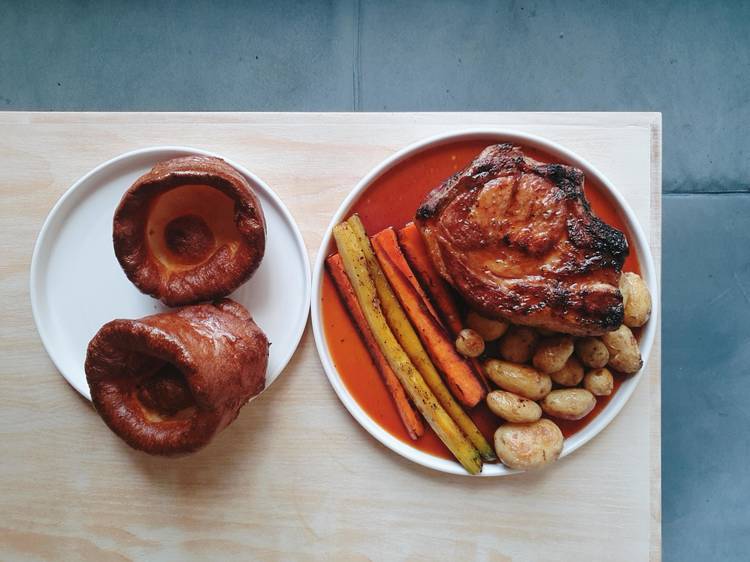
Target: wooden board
[{"x": 295, "y": 477}]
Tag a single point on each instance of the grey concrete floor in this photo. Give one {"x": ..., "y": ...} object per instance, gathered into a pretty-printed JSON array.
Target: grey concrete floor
[{"x": 688, "y": 59}]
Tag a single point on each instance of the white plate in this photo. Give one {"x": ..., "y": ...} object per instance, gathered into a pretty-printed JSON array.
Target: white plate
[
  {"x": 639, "y": 244},
  {"x": 77, "y": 284}
]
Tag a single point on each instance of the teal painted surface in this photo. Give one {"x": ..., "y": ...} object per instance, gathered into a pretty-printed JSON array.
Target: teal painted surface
[
  {"x": 690, "y": 60},
  {"x": 705, "y": 377},
  {"x": 163, "y": 55},
  {"x": 687, "y": 59}
]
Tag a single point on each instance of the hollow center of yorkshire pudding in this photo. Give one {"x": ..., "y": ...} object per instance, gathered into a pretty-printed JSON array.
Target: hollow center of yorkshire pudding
[
  {"x": 189, "y": 238},
  {"x": 187, "y": 224},
  {"x": 165, "y": 394}
]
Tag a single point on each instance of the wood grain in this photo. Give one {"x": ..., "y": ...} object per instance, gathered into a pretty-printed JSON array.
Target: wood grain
[{"x": 295, "y": 478}]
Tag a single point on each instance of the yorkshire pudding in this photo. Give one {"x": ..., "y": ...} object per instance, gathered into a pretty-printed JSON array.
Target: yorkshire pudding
[
  {"x": 167, "y": 383},
  {"x": 190, "y": 230}
]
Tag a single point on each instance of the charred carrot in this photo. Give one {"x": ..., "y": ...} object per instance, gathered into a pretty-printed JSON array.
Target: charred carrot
[
  {"x": 416, "y": 253},
  {"x": 415, "y": 250},
  {"x": 356, "y": 266},
  {"x": 386, "y": 238},
  {"x": 407, "y": 337},
  {"x": 410, "y": 418},
  {"x": 466, "y": 385}
]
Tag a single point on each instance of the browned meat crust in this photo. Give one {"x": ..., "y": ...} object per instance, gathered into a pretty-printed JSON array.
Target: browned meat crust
[
  {"x": 167, "y": 383},
  {"x": 518, "y": 240},
  {"x": 217, "y": 270}
]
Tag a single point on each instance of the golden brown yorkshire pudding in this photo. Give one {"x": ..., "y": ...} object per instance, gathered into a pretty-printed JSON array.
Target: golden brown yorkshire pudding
[
  {"x": 167, "y": 383},
  {"x": 190, "y": 230}
]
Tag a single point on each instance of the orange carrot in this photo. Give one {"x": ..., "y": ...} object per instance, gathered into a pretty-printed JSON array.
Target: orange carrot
[
  {"x": 477, "y": 367},
  {"x": 464, "y": 383},
  {"x": 387, "y": 239},
  {"x": 416, "y": 252},
  {"x": 409, "y": 416},
  {"x": 414, "y": 248}
]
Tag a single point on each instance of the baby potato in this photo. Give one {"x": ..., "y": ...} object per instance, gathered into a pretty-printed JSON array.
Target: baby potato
[
  {"x": 624, "y": 354},
  {"x": 517, "y": 345},
  {"x": 469, "y": 343},
  {"x": 599, "y": 382},
  {"x": 592, "y": 352},
  {"x": 519, "y": 379},
  {"x": 552, "y": 353},
  {"x": 570, "y": 375},
  {"x": 636, "y": 299},
  {"x": 526, "y": 446},
  {"x": 513, "y": 408},
  {"x": 489, "y": 329},
  {"x": 569, "y": 403}
]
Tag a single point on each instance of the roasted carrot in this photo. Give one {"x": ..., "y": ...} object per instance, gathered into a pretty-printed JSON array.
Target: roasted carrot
[
  {"x": 415, "y": 250},
  {"x": 410, "y": 418},
  {"x": 407, "y": 337},
  {"x": 356, "y": 266},
  {"x": 416, "y": 253},
  {"x": 458, "y": 373},
  {"x": 478, "y": 369},
  {"x": 386, "y": 238}
]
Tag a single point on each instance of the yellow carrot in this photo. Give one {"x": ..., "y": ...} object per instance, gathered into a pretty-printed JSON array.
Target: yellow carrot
[
  {"x": 355, "y": 265},
  {"x": 409, "y": 340},
  {"x": 409, "y": 416}
]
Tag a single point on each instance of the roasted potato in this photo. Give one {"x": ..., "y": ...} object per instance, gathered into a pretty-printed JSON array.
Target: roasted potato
[
  {"x": 469, "y": 343},
  {"x": 570, "y": 375},
  {"x": 592, "y": 352},
  {"x": 552, "y": 353},
  {"x": 517, "y": 345},
  {"x": 526, "y": 446},
  {"x": 489, "y": 329},
  {"x": 636, "y": 299},
  {"x": 520, "y": 379},
  {"x": 569, "y": 403},
  {"x": 624, "y": 354},
  {"x": 599, "y": 382},
  {"x": 513, "y": 408}
]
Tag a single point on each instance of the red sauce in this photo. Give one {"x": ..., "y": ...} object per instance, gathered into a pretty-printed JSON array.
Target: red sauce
[{"x": 392, "y": 200}]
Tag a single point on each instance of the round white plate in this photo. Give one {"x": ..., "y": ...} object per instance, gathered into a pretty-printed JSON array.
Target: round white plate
[
  {"x": 639, "y": 244},
  {"x": 77, "y": 284}
]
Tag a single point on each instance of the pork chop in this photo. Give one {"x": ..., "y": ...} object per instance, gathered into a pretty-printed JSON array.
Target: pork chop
[{"x": 518, "y": 240}]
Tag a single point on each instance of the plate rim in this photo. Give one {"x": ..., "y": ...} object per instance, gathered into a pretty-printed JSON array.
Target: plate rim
[
  {"x": 499, "y": 134},
  {"x": 35, "y": 269}
]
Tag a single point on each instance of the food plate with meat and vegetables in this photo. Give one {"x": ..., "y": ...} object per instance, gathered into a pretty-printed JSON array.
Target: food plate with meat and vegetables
[{"x": 484, "y": 302}]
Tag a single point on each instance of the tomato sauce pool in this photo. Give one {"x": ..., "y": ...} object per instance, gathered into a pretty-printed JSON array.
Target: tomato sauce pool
[{"x": 392, "y": 200}]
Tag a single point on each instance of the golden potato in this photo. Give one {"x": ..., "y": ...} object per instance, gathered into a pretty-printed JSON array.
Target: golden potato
[
  {"x": 489, "y": 329},
  {"x": 519, "y": 379},
  {"x": 570, "y": 375},
  {"x": 569, "y": 403},
  {"x": 552, "y": 353},
  {"x": 517, "y": 345},
  {"x": 526, "y": 446},
  {"x": 599, "y": 382},
  {"x": 469, "y": 343},
  {"x": 624, "y": 354},
  {"x": 592, "y": 352},
  {"x": 636, "y": 299},
  {"x": 513, "y": 408}
]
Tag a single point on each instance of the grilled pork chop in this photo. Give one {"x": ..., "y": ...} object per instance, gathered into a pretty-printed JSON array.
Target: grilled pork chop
[{"x": 518, "y": 240}]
